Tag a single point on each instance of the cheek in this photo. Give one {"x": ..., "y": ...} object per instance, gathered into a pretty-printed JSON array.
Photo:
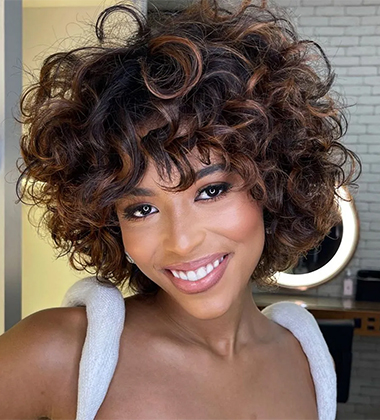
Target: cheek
[
  {"x": 135, "y": 238},
  {"x": 138, "y": 242},
  {"x": 244, "y": 222}
]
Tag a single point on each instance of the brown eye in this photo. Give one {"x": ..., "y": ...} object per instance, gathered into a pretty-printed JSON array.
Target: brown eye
[
  {"x": 139, "y": 212},
  {"x": 213, "y": 191},
  {"x": 144, "y": 210}
]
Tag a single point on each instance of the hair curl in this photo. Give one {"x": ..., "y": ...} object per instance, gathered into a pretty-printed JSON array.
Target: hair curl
[{"x": 246, "y": 88}]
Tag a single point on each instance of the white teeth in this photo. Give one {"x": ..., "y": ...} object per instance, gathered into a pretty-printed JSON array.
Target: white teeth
[
  {"x": 201, "y": 272},
  {"x": 198, "y": 274},
  {"x": 191, "y": 275}
]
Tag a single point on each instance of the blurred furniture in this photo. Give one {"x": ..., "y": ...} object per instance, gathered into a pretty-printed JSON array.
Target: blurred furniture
[
  {"x": 338, "y": 334},
  {"x": 366, "y": 315},
  {"x": 368, "y": 285}
]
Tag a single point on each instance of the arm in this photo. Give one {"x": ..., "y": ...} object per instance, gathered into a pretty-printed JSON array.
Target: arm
[{"x": 39, "y": 365}]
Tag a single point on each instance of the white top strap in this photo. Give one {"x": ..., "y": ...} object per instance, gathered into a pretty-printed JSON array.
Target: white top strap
[
  {"x": 305, "y": 328},
  {"x": 105, "y": 314}
]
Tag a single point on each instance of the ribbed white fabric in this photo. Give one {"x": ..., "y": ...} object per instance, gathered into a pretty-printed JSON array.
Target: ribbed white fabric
[
  {"x": 304, "y": 327},
  {"x": 106, "y": 311},
  {"x": 105, "y": 315}
]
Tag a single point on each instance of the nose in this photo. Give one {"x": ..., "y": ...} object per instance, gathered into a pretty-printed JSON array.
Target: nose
[{"x": 182, "y": 232}]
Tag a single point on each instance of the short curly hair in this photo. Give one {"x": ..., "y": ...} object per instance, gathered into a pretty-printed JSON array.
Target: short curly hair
[{"x": 246, "y": 88}]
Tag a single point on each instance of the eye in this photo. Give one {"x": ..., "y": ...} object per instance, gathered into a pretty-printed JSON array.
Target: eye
[
  {"x": 214, "y": 191},
  {"x": 139, "y": 212}
]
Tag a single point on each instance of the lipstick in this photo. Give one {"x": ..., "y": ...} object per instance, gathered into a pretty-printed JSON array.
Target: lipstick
[{"x": 205, "y": 283}]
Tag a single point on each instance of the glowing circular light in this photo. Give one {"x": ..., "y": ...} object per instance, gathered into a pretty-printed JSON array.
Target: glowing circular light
[{"x": 342, "y": 256}]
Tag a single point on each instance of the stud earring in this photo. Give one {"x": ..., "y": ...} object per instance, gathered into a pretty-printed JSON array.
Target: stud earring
[{"x": 129, "y": 258}]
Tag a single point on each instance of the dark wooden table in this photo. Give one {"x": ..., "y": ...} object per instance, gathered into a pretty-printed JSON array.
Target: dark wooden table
[{"x": 365, "y": 314}]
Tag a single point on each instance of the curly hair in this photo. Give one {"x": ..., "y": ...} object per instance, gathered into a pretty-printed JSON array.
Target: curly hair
[{"x": 246, "y": 88}]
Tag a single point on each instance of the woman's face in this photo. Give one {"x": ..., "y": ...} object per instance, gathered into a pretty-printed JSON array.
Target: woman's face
[{"x": 212, "y": 233}]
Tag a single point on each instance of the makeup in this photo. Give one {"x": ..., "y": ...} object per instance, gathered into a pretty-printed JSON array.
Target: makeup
[{"x": 192, "y": 285}]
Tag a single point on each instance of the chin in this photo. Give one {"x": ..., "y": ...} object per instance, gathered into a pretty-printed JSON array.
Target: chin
[{"x": 208, "y": 309}]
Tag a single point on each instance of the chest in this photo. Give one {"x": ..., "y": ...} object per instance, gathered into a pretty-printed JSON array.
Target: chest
[{"x": 169, "y": 388}]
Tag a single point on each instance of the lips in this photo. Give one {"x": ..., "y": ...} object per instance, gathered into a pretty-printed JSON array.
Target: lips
[
  {"x": 205, "y": 283},
  {"x": 198, "y": 274},
  {"x": 194, "y": 265}
]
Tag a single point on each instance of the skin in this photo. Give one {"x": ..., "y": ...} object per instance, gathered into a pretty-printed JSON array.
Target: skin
[
  {"x": 223, "y": 318},
  {"x": 210, "y": 355}
]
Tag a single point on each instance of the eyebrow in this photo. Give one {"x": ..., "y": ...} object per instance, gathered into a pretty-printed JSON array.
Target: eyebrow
[{"x": 208, "y": 170}]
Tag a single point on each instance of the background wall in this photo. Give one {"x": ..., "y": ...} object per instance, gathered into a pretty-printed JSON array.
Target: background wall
[
  {"x": 10, "y": 213},
  {"x": 45, "y": 278},
  {"x": 2, "y": 173}
]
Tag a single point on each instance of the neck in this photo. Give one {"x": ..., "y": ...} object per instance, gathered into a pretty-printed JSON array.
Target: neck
[{"x": 225, "y": 335}]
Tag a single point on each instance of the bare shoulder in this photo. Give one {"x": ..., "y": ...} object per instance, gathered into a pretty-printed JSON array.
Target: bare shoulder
[
  {"x": 294, "y": 369},
  {"x": 40, "y": 364}
]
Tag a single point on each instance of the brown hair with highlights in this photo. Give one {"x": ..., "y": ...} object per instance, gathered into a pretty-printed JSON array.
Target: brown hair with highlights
[{"x": 246, "y": 88}]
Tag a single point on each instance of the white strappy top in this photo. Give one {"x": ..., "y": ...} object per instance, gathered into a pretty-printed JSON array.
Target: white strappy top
[{"x": 106, "y": 312}]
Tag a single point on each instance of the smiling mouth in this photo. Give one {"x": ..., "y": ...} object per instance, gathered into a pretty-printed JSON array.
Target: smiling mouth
[{"x": 198, "y": 274}]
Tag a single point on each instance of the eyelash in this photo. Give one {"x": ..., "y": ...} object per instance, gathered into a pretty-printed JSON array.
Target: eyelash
[{"x": 222, "y": 188}]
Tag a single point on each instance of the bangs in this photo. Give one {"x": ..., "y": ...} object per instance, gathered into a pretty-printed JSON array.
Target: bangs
[{"x": 169, "y": 147}]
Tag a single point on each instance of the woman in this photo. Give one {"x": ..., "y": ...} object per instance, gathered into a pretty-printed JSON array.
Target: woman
[{"x": 186, "y": 161}]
